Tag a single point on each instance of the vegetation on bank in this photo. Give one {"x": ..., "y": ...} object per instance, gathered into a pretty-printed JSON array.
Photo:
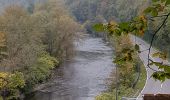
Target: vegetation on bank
[
  {"x": 32, "y": 43},
  {"x": 131, "y": 76}
]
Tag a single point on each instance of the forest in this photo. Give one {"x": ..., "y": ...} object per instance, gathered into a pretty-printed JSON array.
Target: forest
[
  {"x": 38, "y": 36},
  {"x": 33, "y": 41}
]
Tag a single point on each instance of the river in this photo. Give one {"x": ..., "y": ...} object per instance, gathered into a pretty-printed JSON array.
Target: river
[{"x": 84, "y": 76}]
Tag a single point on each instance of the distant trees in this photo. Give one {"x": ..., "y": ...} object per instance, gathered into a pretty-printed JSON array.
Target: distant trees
[
  {"x": 89, "y": 11},
  {"x": 35, "y": 42},
  {"x": 119, "y": 9}
]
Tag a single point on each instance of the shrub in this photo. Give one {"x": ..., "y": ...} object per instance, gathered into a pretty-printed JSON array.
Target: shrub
[
  {"x": 40, "y": 71},
  {"x": 10, "y": 84}
]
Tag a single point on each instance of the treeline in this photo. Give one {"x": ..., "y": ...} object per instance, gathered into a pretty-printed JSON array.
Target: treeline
[
  {"x": 90, "y": 12},
  {"x": 32, "y": 44}
]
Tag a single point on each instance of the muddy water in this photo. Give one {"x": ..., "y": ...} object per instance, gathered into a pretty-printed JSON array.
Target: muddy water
[{"x": 85, "y": 76}]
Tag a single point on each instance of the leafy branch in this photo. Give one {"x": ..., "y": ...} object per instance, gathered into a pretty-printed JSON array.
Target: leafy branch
[{"x": 152, "y": 40}]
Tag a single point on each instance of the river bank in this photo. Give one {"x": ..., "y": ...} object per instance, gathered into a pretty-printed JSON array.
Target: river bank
[
  {"x": 84, "y": 77},
  {"x": 131, "y": 75}
]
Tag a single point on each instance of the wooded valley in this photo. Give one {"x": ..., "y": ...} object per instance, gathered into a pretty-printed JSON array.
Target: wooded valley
[{"x": 38, "y": 36}]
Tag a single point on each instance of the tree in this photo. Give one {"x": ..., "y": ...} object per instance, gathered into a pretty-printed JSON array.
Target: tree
[
  {"x": 34, "y": 41},
  {"x": 89, "y": 11},
  {"x": 20, "y": 38},
  {"x": 59, "y": 28}
]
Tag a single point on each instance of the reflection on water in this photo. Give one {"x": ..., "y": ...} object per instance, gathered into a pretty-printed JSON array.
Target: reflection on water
[{"x": 84, "y": 77}]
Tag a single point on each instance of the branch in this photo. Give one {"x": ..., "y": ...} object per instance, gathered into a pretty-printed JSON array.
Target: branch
[
  {"x": 152, "y": 18},
  {"x": 152, "y": 40},
  {"x": 165, "y": 15}
]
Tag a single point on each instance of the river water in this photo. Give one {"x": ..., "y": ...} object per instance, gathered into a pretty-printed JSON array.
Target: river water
[{"x": 84, "y": 76}]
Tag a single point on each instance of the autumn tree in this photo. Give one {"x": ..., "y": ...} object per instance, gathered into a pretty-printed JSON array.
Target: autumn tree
[
  {"x": 33, "y": 42},
  {"x": 59, "y": 28},
  {"x": 21, "y": 43}
]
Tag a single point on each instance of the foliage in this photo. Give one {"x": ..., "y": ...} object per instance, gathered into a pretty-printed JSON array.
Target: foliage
[
  {"x": 162, "y": 55},
  {"x": 46, "y": 59},
  {"x": 59, "y": 29},
  {"x": 123, "y": 90},
  {"x": 2, "y": 46},
  {"x": 90, "y": 12},
  {"x": 138, "y": 26},
  {"x": 2, "y": 39},
  {"x": 40, "y": 71},
  {"x": 126, "y": 58},
  {"x": 106, "y": 96},
  {"x": 34, "y": 41},
  {"x": 161, "y": 40},
  {"x": 10, "y": 83},
  {"x": 99, "y": 27},
  {"x": 16, "y": 80}
]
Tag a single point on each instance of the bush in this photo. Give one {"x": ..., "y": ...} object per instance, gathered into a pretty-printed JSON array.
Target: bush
[
  {"x": 40, "y": 71},
  {"x": 10, "y": 84},
  {"x": 106, "y": 96}
]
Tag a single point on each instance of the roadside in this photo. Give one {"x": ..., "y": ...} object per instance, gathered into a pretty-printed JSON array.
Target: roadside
[{"x": 151, "y": 86}]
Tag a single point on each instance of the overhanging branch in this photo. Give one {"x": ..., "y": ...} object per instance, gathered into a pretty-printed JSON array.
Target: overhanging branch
[{"x": 152, "y": 40}]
